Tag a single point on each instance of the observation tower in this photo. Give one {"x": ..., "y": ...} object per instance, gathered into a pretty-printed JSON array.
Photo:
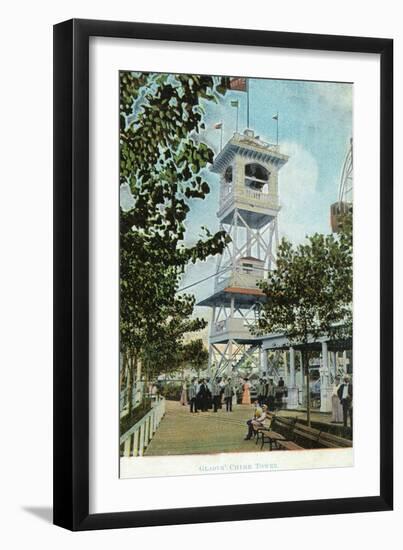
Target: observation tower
[{"x": 248, "y": 211}]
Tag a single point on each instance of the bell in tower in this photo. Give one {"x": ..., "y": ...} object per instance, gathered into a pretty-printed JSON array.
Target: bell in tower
[{"x": 248, "y": 210}]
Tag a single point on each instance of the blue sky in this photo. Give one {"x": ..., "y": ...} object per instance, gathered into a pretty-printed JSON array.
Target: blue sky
[{"x": 315, "y": 126}]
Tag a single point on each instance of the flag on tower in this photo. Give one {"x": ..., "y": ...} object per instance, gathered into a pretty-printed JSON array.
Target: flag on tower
[
  {"x": 275, "y": 117},
  {"x": 235, "y": 103},
  {"x": 237, "y": 83},
  {"x": 240, "y": 84},
  {"x": 219, "y": 126}
]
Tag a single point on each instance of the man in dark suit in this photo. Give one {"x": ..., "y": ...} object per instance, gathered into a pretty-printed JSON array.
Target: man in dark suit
[
  {"x": 203, "y": 395},
  {"x": 216, "y": 394},
  {"x": 209, "y": 397},
  {"x": 192, "y": 394},
  {"x": 228, "y": 393},
  {"x": 261, "y": 391},
  {"x": 345, "y": 394}
]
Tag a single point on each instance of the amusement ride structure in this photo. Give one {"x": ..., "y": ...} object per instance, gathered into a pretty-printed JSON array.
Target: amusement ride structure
[{"x": 344, "y": 203}]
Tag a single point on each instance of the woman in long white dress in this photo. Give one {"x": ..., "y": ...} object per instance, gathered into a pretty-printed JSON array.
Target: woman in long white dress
[
  {"x": 184, "y": 398},
  {"x": 337, "y": 409},
  {"x": 235, "y": 395}
]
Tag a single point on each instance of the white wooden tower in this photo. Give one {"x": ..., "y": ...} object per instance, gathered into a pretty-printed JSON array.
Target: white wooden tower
[{"x": 248, "y": 211}]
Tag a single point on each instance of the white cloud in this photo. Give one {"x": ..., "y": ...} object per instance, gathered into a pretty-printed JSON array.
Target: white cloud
[{"x": 298, "y": 181}]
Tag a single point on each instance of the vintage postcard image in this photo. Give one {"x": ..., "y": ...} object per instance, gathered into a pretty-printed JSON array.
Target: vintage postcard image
[{"x": 236, "y": 274}]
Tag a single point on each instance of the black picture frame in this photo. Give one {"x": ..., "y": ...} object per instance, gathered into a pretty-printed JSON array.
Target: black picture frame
[{"x": 71, "y": 274}]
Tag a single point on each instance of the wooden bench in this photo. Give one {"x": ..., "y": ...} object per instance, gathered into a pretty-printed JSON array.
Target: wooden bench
[
  {"x": 290, "y": 434},
  {"x": 306, "y": 435},
  {"x": 333, "y": 441},
  {"x": 279, "y": 434},
  {"x": 269, "y": 436},
  {"x": 283, "y": 425},
  {"x": 289, "y": 446}
]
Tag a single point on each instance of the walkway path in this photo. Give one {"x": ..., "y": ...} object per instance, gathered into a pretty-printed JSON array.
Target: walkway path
[{"x": 183, "y": 433}]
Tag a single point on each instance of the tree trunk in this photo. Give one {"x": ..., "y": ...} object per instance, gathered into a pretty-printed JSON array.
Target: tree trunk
[
  {"x": 146, "y": 382},
  {"x": 133, "y": 364},
  {"x": 122, "y": 374},
  {"x": 130, "y": 376},
  {"x": 305, "y": 362},
  {"x": 139, "y": 376}
]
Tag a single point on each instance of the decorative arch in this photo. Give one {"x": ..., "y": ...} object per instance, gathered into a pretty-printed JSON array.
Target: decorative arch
[{"x": 256, "y": 176}]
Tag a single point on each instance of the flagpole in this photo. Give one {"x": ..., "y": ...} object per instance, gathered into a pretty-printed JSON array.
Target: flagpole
[
  {"x": 235, "y": 103},
  {"x": 222, "y": 126},
  {"x": 277, "y": 127},
  {"x": 247, "y": 103}
]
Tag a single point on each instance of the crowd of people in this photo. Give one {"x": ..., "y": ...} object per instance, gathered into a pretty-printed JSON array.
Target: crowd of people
[
  {"x": 268, "y": 394},
  {"x": 271, "y": 394},
  {"x": 205, "y": 393}
]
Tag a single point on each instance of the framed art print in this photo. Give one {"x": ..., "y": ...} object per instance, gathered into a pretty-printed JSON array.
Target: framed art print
[{"x": 223, "y": 274}]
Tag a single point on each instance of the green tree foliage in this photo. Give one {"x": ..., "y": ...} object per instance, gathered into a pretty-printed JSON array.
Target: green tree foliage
[
  {"x": 195, "y": 354},
  {"x": 309, "y": 293},
  {"x": 161, "y": 160},
  {"x": 169, "y": 354}
]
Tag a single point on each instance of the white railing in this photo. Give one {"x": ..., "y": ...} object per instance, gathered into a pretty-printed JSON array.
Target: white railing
[
  {"x": 136, "y": 440},
  {"x": 239, "y": 278},
  {"x": 239, "y": 326},
  {"x": 258, "y": 198},
  {"x": 256, "y": 141},
  {"x": 137, "y": 393},
  {"x": 269, "y": 199}
]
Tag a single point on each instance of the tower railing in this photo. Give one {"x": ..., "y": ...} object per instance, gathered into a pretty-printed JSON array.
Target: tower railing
[
  {"x": 255, "y": 141},
  {"x": 251, "y": 197},
  {"x": 234, "y": 327},
  {"x": 238, "y": 277}
]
